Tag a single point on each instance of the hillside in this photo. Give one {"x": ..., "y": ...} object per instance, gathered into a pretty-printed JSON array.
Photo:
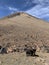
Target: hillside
[
  {"x": 22, "y": 29},
  {"x": 19, "y": 30}
]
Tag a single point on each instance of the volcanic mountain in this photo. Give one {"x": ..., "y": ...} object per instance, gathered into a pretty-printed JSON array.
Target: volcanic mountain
[{"x": 21, "y": 29}]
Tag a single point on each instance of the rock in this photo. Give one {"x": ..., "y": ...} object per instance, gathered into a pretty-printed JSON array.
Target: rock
[
  {"x": 30, "y": 52},
  {"x": 4, "y": 50},
  {"x": 9, "y": 50}
]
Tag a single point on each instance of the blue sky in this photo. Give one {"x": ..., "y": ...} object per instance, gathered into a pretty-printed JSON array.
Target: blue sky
[{"x": 37, "y": 8}]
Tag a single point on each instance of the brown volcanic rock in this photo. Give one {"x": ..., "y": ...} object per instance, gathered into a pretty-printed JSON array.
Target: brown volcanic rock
[{"x": 21, "y": 29}]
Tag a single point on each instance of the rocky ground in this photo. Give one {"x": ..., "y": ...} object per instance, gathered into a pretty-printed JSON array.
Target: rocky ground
[
  {"x": 22, "y": 59},
  {"x": 20, "y": 30}
]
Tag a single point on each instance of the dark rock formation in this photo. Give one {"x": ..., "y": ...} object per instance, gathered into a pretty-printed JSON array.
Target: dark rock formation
[{"x": 30, "y": 52}]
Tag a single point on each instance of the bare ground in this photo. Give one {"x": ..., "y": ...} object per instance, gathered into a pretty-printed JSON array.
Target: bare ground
[
  {"x": 22, "y": 59},
  {"x": 20, "y": 30}
]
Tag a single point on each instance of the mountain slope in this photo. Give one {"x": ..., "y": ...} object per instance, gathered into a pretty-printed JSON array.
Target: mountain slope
[{"x": 21, "y": 29}]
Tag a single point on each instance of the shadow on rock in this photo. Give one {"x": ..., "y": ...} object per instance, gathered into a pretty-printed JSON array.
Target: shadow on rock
[{"x": 31, "y": 52}]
